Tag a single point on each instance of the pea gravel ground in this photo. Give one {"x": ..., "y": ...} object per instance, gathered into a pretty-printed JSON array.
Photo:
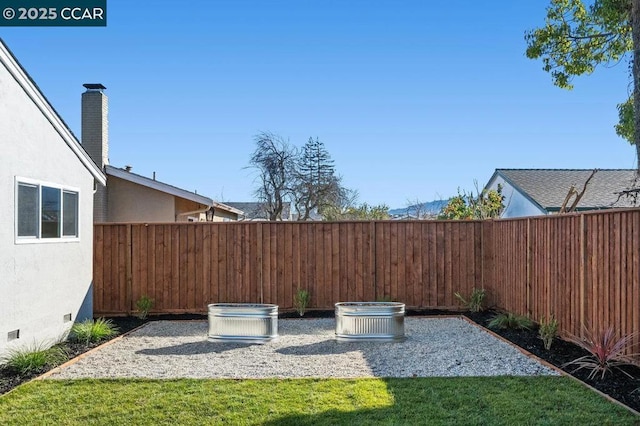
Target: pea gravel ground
[{"x": 306, "y": 348}]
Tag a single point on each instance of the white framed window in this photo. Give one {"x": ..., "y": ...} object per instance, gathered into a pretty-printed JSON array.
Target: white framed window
[{"x": 46, "y": 212}]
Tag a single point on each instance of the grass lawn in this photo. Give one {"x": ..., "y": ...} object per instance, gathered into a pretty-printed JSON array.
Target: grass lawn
[{"x": 433, "y": 401}]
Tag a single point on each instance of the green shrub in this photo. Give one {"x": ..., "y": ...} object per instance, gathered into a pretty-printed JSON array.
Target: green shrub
[
  {"x": 474, "y": 304},
  {"x": 34, "y": 359},
  {"x": 606, "y": 351},
  {"x": 144, "y": 305},
  {"x": 548, "y": 330},
  {"x": 510, "y": 321},
  {"x": 384, "y": 299},
  {"x": 301, "y": 300},
  {"x": 90, "y": 331}
]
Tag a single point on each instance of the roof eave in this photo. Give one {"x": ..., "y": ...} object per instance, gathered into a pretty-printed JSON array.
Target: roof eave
[
  {"x": 230, "y": 209},
  {"x": 158, "y": 186}
]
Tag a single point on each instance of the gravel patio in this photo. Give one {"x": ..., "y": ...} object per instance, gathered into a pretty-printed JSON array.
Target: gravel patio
[{"x": 306, "y": 348}]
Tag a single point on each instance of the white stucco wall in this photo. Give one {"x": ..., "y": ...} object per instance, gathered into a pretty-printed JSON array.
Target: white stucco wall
[
  {"x": 40, "y": 282},
  {"x": 516, "y": 204}
]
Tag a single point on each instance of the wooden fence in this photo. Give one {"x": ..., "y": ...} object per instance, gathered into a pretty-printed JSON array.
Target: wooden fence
[
  {"x": 184, "y": 267},
  {"x": 583, "y": 268}
]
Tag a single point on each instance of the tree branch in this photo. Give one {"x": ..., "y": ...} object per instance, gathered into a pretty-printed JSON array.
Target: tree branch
[{"x": 590, "y": 37}]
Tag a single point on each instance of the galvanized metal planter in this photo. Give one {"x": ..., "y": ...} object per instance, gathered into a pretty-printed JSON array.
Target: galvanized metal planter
[
  {"x": 377, "y": 321},
  {"x": 243, "y": 322}
]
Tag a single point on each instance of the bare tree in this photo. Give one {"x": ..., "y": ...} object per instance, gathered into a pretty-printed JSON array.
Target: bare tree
[
  {"x": 631, "y": 193},
  {"x": 416, "y": 209},
  {"x": 275, "y": 160},
  {"x": 337, "y": 207},
  {"x": 574, "y": 192}
]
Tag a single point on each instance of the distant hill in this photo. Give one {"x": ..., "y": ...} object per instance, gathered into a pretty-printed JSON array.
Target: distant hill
[{"x": 430, "y": 208}]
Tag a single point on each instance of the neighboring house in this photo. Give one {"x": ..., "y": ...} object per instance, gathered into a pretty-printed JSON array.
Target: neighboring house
[
  {"x": 46, "y": 217},
  {"x": 129, "y": 197},
  {"x": 135, "y": 198},
  {"x": 258, "y": 210},
  {"x": 313, "y": 216},
  {"x": 532, "y": 192}
]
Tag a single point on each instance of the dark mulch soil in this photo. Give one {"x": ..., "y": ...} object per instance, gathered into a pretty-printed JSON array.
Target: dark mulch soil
[
  {"x": 9, "y": 379},
  {"x": 615, "y": 384}
]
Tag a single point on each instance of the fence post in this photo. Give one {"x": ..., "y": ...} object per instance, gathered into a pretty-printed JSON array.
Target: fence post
[
  {"x": 482, "y": 267},
  {"x": 259, "y": 252},
  {"x": 529, "y": 268},
  {"x": 128, "y": 273},
  {"x": 583, "y": 272},
  {"x": 374, "y": 258},
  {"x": 488, "y": 267}
]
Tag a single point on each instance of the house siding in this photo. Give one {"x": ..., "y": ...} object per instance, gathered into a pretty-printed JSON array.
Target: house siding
[
  {"x": 130, "y": 202},
  {"x": 188, "y": 208},
  {"x": 41, "y": 281},
  {"x": 221, "y": 215},
  {"x": 516, "y": 204}
]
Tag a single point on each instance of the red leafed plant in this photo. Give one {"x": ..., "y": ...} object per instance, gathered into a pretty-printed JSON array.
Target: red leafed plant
[{"x": 606, "y": 351}]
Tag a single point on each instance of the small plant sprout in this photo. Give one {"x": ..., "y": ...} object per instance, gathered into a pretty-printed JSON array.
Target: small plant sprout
[
  {"x": 144, "y": 305},
  {"x": 301, "y": 300},
  {"x": 606, "y": 351},
  {"x": 474, "y": 303},
  {"x": 510, "y": 321},
  {"x": 548, "y": 330}
]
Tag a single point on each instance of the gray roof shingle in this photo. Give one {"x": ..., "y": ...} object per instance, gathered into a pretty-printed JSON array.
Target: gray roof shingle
[{"x": 549, "y": 187}]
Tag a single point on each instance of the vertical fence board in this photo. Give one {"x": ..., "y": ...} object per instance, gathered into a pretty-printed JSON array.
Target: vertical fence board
[
  {"x": 205, "y": 265},
  {"x": 111, "y": 277},
  {"x": 107, "y": 280},
  {"x": 266, "y": 263},
  {"x": 165, "y": 278},
  {"x": 98, "y": 266},
  {"x": 121, "y": 268},
  {"x": 196, "y": 296},
  {"x": 358, "y": 246},
  {"x": 632, "y": 295}
]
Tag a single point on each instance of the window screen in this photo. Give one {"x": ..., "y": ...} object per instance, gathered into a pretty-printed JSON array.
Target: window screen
[
  {"x": 28, "y": 210},
  {"x": 70, "y": 214}
]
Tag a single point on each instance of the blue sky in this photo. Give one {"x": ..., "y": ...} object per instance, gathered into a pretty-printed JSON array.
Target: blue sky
[{"x": 412, "y": 99}]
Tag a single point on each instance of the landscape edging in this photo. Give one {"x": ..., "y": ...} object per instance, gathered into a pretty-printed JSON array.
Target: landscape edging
[{"x": 551, "y": 366}]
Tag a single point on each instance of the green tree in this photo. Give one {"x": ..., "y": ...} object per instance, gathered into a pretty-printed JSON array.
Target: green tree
[
  {"x": 486, "y": 205},
  {"x": 457, "y": 209},
  {"x": 577, "y": 37},
  {"x": 316, "y": 184}
]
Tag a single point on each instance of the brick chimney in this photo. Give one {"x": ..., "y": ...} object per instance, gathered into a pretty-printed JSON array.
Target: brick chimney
[{"x": 95, "y": 139}]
